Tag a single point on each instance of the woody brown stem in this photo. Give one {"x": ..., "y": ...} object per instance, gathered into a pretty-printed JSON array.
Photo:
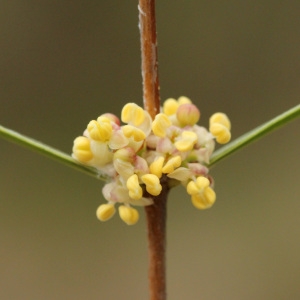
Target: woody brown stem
[
  {"x": 156, "y": 224},
  {"x": 156, "y": 213},
  {"x": 147, "y": 25}
]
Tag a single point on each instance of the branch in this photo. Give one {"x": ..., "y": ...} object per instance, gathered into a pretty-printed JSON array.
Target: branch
[
  {"x": 49, "y": 152},
  {"x": 147, "y": 27},
  {"x": 255, "y": 134}
]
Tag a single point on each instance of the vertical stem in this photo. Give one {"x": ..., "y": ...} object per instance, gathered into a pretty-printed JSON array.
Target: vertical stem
[
  {"x": 156, "y": 213},
  {"x": 156, "y": 223},
  {"x": 147, "y": 25}
]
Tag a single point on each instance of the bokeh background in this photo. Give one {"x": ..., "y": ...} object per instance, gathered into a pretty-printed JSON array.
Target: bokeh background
[{"x": 63, "y": 63}]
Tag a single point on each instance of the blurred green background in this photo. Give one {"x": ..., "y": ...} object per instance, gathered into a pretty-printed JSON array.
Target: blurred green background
[{"x": 64, "y": 63}]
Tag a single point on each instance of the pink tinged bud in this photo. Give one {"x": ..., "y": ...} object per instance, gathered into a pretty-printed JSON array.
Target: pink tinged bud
[
  {"x": 140, "y": 166},
  {"x": 151, "y": 141},
  {"x": 125, "y": 154},
  {"x": 118, "y": 140},
  {"x": 197, "y": 169},
  {"x": 82, "y": 149},
  {"x": 113, "y": 118},
  {"x": 124, "y": 168},
  {"x": 165, "y": 145},
  {"x": 188, "y": 115},
  {"x": 116, "y": 192}
]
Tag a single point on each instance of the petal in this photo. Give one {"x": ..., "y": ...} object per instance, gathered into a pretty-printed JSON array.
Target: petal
[{"x": 181, "y": 174}]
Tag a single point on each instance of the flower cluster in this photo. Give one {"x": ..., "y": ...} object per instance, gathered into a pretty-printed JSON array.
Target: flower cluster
[{"x": 138, "y": 155}]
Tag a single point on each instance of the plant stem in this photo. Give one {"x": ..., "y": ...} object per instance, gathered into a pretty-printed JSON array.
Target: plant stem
[
  {"x": 156, "y": 224},
  {"x": 255, "y": 134},
  {"x": 147, "y": 25},
  {"x": 156, "y": 213},
  {"x": 48, "y": 151},
  {"x": 239, "y": 143}
]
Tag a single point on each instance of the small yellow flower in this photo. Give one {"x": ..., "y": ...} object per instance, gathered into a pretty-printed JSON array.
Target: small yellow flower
[
  {"x": 172, "y": 164},
  {"x": 203, "y": 196},
  {"x": 100, "y": 130},
  {"x": 187, "y": 141},
  {"x": 82, "y": 149},
  {"x": 135, "y": 190},
  {"x": 128, "y": 214},
  {"x": 170, "y": 106},
  {"x": 219, "y": 126},
  {"x": 105, "y": 211},
  {"x": 187, "y": 114},
  {"x": 205, "y": 199},
  {"x": 153, "y": 185},
  {"x": 157, "y": 165},
  {"x": 184, "y": 100},
  {"x": 130, "y": 131},
  {"x": 132, "y": 113},
  {"x": 160, "y": 125},
  {"x": 220, "y": 118}
]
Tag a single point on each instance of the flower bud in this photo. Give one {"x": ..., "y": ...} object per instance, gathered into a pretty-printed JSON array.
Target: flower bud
[
  {"x": 100, "y": 131},
  {"x": 188, "y": 114},
  {"x": 172, "y": 164},
  {"x": 128, "y": 214},
  {"x": 135, "y": 190},
  {"x": 137, "y": 134},
  {"x": 132, "y": 113},
  {"x": 170, "y": 106},
  {"x": 187, "y": 141},
  {"x": 220, "y": 118},
  {"x": 160, "y": 125},
  {"x": 105, "y": 211},
  {"x": 153, "y": 185},
  {"x": 82, "y": 149}
]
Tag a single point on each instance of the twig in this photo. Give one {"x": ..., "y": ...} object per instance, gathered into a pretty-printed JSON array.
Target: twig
[
  {"x": 156, "y": 213},
  {"x": 147, "y": 25}
]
